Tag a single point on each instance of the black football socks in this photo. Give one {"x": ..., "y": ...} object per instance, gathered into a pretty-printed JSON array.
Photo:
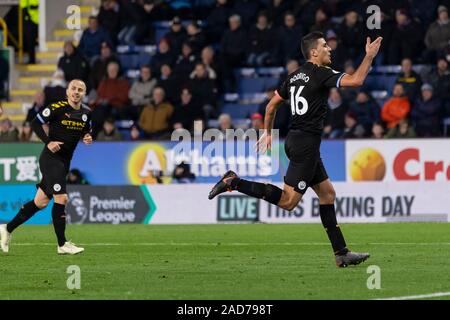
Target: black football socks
[
  {"x": 328, "y": 217},
  {"x": 264, "y": 191},
  {"x": 26, "y": 212},
  {"x": 59, "y": 222}
]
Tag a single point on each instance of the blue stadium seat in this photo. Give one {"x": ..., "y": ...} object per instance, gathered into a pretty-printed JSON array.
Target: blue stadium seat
[{"x": 240, "y": 111}]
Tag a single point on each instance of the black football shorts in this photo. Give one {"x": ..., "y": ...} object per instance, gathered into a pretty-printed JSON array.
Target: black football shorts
[
  {"x": 54, "y": 172},
  {"x": 305, "y": 167}
]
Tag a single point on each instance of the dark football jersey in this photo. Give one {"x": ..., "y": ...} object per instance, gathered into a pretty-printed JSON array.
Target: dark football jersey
[
  {"x": 307, "y": 91},
  {"x": 66, "y": 124}
]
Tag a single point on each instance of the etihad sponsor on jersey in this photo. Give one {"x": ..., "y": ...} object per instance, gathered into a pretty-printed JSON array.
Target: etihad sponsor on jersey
[
  {"x": 398, "y": 160},
  {"x": 73, "y": 125},
  {"x": 152, "y": 163}
]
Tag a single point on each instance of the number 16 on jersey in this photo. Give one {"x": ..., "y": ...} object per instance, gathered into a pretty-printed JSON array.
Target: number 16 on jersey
[{"x": 296, "y": 100}]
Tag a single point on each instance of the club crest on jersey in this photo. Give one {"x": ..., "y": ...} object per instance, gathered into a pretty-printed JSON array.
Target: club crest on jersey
[
  {"x": 299, "y": 76},
  {"x": 46, "y": 112},
  {"x": 302, "y": 185},
  {"x": 84, "y": 117}
]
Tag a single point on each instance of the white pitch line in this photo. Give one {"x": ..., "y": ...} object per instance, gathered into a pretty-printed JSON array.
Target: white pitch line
[
  {"x": 420, "y": 296},
  {"x": 241, "y": 244}
]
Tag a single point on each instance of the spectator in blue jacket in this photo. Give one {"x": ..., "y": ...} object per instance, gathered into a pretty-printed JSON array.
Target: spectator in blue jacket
[
  {"x": 366, "y": 110},
  {"x": 92, "y": 39},
  {"x": 426, "y": 113}
]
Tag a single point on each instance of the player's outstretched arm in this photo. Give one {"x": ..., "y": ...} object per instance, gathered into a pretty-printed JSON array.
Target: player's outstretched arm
[
  {"x": 357, "y": 79},
  {"x": 265, "y": 141}
]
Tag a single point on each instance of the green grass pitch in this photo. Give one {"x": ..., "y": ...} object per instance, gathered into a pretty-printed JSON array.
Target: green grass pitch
[{"x": 228, "y": 261}]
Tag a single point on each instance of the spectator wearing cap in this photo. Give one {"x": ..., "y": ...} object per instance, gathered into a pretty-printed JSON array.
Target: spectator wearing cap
[
  {"x": 55, "y": 90},
  {"x": 289, "y": 35},
  {"x": 335, "y": 121},
  {"x": 257, "y": 121},
  {"x": 352, "y": 128},
  {"x": 135, "y": 133},
  {"x": 73, "y": 64},
  {"x": 410, "y": 80},
  {"x": 260, "y": 46},
  {"x": 366, "y": 109},
  {"x": 218, "y": 19},
  {"x": 164, "y": 55},
  {"x": 401, "y": 131},
  {"x": 99, "y": 65},
  {"x": 109, "y": 132},
  {"x": 176, "y": 36},
  {"x": 338, "y": 51},
  {"x": 352, "y": 35},
  {"x": 155, "y": 118},
  {"x": 395, "y": 108},
  {"x": 8, "y": 133},
  {"x": 426, "y": 114},
  {"x": 407, "y": 38},
  {"x": 92, "y": 39},
  {"x": 438, "y": 35},
  {"x": 439, "y": 78},
  {"x": 196, "y": 37}
]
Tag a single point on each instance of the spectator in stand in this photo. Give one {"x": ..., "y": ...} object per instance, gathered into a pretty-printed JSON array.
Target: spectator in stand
[
  {"x": 349, "y": 93},
  {"x": 112, "y": 98},
  {"x": 196, "y": 37},
  {"x": 109, "y": 132},
  {"x": 338, "y": 51},
  {"x": 321, "y": 21},
  {"x": 232, "y": 49},
  {"x": 109, "y": 18},
  {"x": 170, "y": 83},
  {"x": 387, "y": 28},
  {"x": 27, "y": 134},
  {"x": 203, "y": 88},
  {"x": 335, "y": 121},
  {"x": 225, "y": 123},
  {"x": 260, "y": 46},
  {"x": 410, "y": 80},
  {"x": 186, "y": 112},
  {"x": 289, "y": 36},
  {"x": 8, "y": 133},
  {"x": 218, "y": 20},
  {"x": 257, "y": 121},
  {"x": 402, "y": 130},
  {"x": 407, "y": 38},
  {"x": 156, "y": 117},
  {"x": 176, "y": 36},
  {"x": 426, "y": 114},
  {"x": 38, "y": 104},
  {"x": 92, "y": 39},
  {"x": 395, "y": 108},
  {"x": 212, "y": 68},
  {"x": 131, "y": 15},
  {"x": 98, "y": 69},
  {"x": 4, "y": 77},
  {"x": 352, "y": 35},
  {"x": 146, "y": 12},
  {"x": 352, "y": 128},
  {"x": 378, "y": 130},
  {"x": 438, "y": 35},
  {"x": 76, "y": 177},
  {"x": 73, "y": 64},
  {"x": 247, "y": 10},
  {"x": 276, "y": 11},
  {"x": 55, "y": 90},
  {"x": 185, "y": 62},
  {"x": 135, "y": 133},
  {"x": 141, "y": 91},
  {"x": 164, "y": 55},
  {"x": 365, "y": 109},
  {"x": 440, "y": 80}
]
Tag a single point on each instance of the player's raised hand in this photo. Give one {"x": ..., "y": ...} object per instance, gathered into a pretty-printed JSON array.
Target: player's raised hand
[
  {"x": 87, "y": 139},
  {"x": 54, "y": 146},
  {"x": 264, "y": 143},
  {"x": 373, "y": 47}
]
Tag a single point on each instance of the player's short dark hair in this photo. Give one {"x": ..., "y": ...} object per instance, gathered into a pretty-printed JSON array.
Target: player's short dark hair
[{"x": 310, "y": 41}]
